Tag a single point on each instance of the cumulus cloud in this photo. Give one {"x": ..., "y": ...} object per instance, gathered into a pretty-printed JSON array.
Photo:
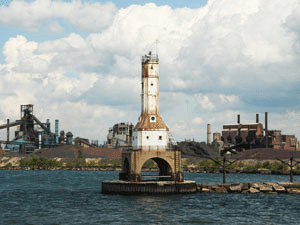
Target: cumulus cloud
[
  {"x": 54, "y": 28},
  {"x": 217, "y": 61},
  {"x": 217, "y": 101},
  {"x": 197, "y": 120},
  {"x": 204, "y": 102},
  {"x": 89, "y": 17}
]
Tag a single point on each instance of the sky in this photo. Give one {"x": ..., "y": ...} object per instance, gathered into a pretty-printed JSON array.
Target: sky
[{"x": 80, "y": 62}]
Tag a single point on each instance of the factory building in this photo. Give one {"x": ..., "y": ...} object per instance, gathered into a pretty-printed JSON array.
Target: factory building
[
  {"x": 32, "y": 134},
  {"x": 120, "y": 135},
  {"x": 83, "y": 142},
  {"x": 241, "y": 133},
  {"x": 254, "y": 135},
  {"x": 283, "y": 142}
]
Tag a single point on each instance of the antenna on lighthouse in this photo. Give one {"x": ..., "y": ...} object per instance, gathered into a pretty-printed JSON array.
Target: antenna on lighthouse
[{"x": 156, "y": 50}]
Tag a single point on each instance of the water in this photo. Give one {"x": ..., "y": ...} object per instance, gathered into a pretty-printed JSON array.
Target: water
[{"x": 73, "y": 197}]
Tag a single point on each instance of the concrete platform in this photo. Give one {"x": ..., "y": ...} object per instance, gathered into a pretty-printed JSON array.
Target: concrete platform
[{"x": 148, "y": 187}]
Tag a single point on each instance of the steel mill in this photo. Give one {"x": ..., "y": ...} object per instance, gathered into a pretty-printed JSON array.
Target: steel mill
[{"x": 32, "y": 134}]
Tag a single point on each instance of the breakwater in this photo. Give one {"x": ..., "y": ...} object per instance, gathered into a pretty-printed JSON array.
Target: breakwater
[
  {"x": 244, "y": 188},
  {"x": 163, "y": 187}
]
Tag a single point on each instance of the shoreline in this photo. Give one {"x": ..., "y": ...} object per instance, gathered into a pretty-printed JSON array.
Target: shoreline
[
  {"x": 213, "y": 171},
  {"x": 235, "y": 188}
]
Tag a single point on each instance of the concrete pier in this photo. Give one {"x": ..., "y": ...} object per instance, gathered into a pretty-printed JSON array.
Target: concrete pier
[
  {"x": 170, "y": 187},
  {"x": 148, "y": 187}
]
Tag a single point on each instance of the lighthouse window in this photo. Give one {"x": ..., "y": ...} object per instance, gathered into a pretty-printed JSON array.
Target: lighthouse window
[
  {"x": 151, "y": 67},
  {"x": 152, "y": 118},
  {"x": 147, "y": 137},
  {"x": 151, "y": 84},
  {"x": 160, "y": 138}
]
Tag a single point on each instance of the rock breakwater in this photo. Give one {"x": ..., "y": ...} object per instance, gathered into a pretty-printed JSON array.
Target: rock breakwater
[{"x": 245, "y": 188}]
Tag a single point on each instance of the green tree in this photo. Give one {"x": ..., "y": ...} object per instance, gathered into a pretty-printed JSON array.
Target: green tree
[
  {"x": 8, "y": 165},
  {"x": 267, "y": 165},
  {"x": 240, "y": 164},
  {"x": 80, "y": 153},
  {"x": 205, "y": 163},
  {"x": 39, "y": 162},
  {"x": 150, "y": 164},
  {"x": 258, "y": 165}
]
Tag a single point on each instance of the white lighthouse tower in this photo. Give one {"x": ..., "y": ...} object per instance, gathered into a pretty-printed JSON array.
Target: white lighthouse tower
[{"x": 150, "y": 133}]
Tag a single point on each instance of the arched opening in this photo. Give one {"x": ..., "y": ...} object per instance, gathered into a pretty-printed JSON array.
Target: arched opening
[
  {"x": 124, "y": 175},
  {"x": 126, "y": 167},
  {"x": 156, "y": 169}
]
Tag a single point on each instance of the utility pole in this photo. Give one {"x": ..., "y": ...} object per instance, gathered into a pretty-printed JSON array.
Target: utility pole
[
  {"x": 224, "y": 163},
  {"x": 291, "y": 164}
]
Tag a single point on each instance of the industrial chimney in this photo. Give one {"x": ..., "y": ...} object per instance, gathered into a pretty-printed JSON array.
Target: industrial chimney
[
  {"x": 257, "y": 118},
  {"x": 208, "y": 134},
  {"x": 7, "y": 130},
  {"x": 56, "y": 130},
  {"x": 266, "y": 128},
  {"x": 238, "y": 119}
]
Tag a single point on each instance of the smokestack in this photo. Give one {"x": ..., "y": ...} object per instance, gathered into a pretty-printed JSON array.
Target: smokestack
[
  {"x": 40, "y": 140},
  {"x": 208, "y": 134},
  {"x": 257, "y": 118},
  {"x": 48, "y": 125},
  {"x": 238, "y": 119},
  {"x": 7, "y": 130},
  {"x": 56, "y": 127},
  {"x": 56, "y": 130},
  {"x": 266, "y": 128}
]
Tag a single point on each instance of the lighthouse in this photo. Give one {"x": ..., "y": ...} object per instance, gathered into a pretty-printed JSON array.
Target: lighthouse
[{"x": 150, "y": 133}]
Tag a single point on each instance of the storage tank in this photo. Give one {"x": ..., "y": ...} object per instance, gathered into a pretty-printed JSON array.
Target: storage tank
[{"x": 69, "y": 136}]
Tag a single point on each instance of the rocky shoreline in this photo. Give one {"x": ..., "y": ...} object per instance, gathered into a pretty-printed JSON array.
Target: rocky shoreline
[
  {"x": 245, "y": 188},
  {"x": 64, "y": 168},
  {"x": 240, "y": 171},
  {"x": 111, "y": 168}
]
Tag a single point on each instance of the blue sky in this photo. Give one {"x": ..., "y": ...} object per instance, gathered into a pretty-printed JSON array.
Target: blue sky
[
  {"x": 173, "y": 4},
  {"x": 79, "y": 62}
]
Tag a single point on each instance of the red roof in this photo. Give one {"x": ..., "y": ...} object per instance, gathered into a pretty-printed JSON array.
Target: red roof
[{"x": 145, "y": 123}]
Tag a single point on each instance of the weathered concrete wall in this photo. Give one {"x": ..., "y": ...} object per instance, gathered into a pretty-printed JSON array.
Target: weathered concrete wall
[
  {"x": 133, "y": 162},
  {"x": 155, "y": 187},
  {"x": 161, "y": 187}
]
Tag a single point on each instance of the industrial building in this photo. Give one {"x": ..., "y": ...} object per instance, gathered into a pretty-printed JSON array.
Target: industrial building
[
  {"x": 120, "y": 135},
  {"x": 83, "y": 142},
  {"x": 253, "y": 135},
  {"x": 32, "y": 134}
]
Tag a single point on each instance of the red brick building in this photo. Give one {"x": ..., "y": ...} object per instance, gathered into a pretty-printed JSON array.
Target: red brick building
[{"x": 253, "y": 134}]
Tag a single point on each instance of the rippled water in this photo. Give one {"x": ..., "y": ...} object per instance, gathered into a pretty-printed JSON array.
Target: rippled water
[{"x": 73, "y": 197}]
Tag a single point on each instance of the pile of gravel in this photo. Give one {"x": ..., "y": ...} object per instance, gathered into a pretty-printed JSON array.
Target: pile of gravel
[
  {"x": 71, "y": 152},
  {"x": 266, "y": 154},
  {"x": 196, "y": 149}
]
